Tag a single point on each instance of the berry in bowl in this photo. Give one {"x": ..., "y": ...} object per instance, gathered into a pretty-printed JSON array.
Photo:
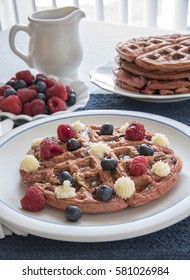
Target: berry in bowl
[{"x": 28, "y": 97}]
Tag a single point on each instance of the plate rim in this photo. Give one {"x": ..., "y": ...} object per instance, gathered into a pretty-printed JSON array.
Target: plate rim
[
  {"x": 138, "y": 96},
  {"x": 85, "y": 233}
]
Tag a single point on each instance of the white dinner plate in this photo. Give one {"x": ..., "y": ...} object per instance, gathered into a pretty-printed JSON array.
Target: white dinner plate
[
  {"x": 82, "y": 93},
  {"x": 6, "y": 126},
  {"x": 131, "y": 222},
  {"x": 103, "y": 77}
]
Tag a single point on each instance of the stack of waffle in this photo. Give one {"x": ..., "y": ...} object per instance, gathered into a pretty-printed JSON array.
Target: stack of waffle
[
  {"x": 89, "y": 174},
  {"x": 154, "y": 65}
]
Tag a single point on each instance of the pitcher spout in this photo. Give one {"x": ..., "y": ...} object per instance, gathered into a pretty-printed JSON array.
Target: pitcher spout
[
  {"x": 77, "y": 14},
  {"x": 80, "y": 14}
]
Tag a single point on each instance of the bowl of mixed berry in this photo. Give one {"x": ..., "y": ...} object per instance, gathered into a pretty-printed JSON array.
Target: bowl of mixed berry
[{"x": 27, "y": 96}]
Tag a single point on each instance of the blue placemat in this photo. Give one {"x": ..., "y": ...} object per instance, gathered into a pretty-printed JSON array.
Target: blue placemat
[
  {"x": 170, "y": 243},
  {"x": 176, "y": 110}
]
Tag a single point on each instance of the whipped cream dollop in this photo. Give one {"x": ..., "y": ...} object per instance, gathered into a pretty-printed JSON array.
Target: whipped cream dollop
[
  {"x": 65, "y": 190},
  {"x": 29, "y": 163},
  {"x": 123, "y": 128},
  {"x": 124, "y": 187},
  {"x": 36, "y": 142},
  {"x": 161, "y": 140},
  {"x": 78, "y": 125},
  {"x": 161, "y": 168},
  {"x": 99, "y": 149}
]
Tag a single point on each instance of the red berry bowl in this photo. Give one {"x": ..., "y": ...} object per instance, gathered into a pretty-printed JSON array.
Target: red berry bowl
[{"x": 26, "y": 97}]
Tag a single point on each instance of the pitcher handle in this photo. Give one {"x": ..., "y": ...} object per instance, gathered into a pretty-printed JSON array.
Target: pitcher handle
[{"x": 12, "y": 35}]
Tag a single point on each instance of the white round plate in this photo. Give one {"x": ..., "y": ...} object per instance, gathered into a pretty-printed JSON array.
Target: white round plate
[
  {"x": 6, "y": 126},
  {"x": 131, "y": 222},
  {"x": 82, "y": 92},
  {"x": 103, "y": 77}
]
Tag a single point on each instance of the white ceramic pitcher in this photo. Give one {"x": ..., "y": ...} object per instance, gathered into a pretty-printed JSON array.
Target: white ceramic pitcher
[{"x": 54, "y": 46}]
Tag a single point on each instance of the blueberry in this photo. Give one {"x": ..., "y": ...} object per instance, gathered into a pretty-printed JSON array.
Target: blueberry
[
  {"x": 39, "y": 79},
  {"x": 46, "y": 111},
  {"x": 41, "y": 96},
  {"x": 104, "y": 193},
  {"x": 9, "y": 91},
  {"x": 146, "y": 150},
  {"x": 106, "y": 129},
  {"x": 73, "y": 213},
  {"x": 41, "y": 87},
  {"x": 73, "y": 144},
  {"x": 20, "y": 84},
  {"x": 71, "y": 98},
  {"x": 109, "y": 163},
  {"x": 11, "y": 83},
  {"x": 63, "y": 176}
]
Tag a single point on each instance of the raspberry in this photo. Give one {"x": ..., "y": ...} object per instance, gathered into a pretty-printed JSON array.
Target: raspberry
[
  {"x": 68, "y": 89},
  {"x": 135, "y": 131},
  {"x": 38, "y": 107},
  {"x": 1, "y": 99},
  {"x": 32, "y": 87},
  {"x": 57, "y": 90},
  {"x": 49, "y": 148},
  {"x": 40, "y": 75},
  {"x": 26, "y": 76},
  {"x": 12, "y": 104},
  {"x": 25, "y": 86},
  {"x": 50, "y": 82},
  {"x": 13, "y": 78},
  {"x": 33, "y": 200},
  {"x": 3, "y": 88},
  {"x": 26, "y": 109},
  {"x": 66, "y": 132},
  {"x": 26, "y": 94},
  {"x": 138, "y": 166},
  {"x": 56, "y": 104}
]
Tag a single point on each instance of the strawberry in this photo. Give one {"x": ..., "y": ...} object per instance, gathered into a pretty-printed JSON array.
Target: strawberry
[
  {"x": 56, "y": 104},
  {"x": 26, "y": 94},
  {"x": 38, "y": 107},
  {"x": 26, "y": 76},
  {"x": 58, "y": 90},
  {"x": 12, "y": 104},
  {"x": 33, "y": 200}
]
